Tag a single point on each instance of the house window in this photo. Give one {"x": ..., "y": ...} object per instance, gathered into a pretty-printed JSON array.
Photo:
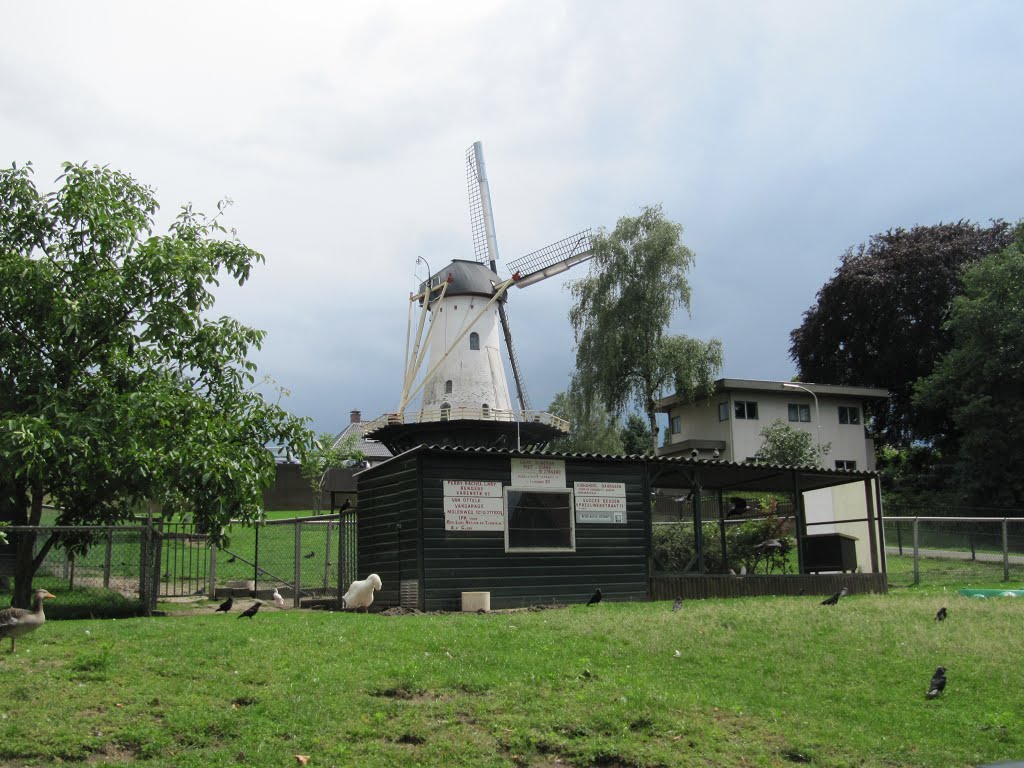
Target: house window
[
  {"x": 745, "y": 409},
  {"x": 448, "y": 387},
  {"x": 845, "y": 464},
  {"x": 799, "y": 412},
  {"x": 849, "y": 414},
  {"x": 723, "y": 411},
  {"x": 474, "y": 340},
  {"x": 539, "y": 520},
  {"x": 446, "y": 411},
  {"x": 485, "y": 411},
  {"x": 676, "y": 424}
]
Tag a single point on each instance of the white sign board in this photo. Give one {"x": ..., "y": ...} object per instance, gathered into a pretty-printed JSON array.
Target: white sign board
[
  {"x": 538, "y": 473},
  {"x": 598, "y": 502},
  {"x": 472, "y": 505}
]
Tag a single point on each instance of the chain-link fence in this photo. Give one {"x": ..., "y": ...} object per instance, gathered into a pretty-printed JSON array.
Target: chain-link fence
[
  {"x": 954, "y": 550},
  {"x": 126, "y": 569},
  {"x": 93, "y": 570}
]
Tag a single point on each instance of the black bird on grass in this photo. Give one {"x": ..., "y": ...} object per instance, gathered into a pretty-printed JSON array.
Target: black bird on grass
[
  {"x": 226, "y": 605},
  {"x": 309, "y": 555},
  {"x": 835, "y": 598},
  {"x": 231, "y": 559},
  {"x": 941, "y": 615},
  {"x": 251, "y": 610},
  {"x": 677, "y": 604},
  {"x": 595, "y": 598},
  {"x": 938, "y": 683}
]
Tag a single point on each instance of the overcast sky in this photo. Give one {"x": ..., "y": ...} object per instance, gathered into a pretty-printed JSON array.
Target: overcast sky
[{"x": 778, "y": 134}]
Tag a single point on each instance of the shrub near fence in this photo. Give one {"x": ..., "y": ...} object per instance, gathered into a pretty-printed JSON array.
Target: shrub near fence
[{"x": 954, "y": 550}]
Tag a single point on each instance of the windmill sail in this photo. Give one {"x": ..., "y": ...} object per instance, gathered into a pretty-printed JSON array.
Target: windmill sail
[
  {"x": 557, "y": 257},
  {"x": 481, "y": 217}
]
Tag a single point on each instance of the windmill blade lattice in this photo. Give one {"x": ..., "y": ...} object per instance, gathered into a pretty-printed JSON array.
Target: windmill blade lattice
[
  {"x": 569, "y": 251},
  {"x": 476, "y": 207}
]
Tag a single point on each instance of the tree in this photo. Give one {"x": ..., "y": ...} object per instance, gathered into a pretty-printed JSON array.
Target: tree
[
  {"x": 117, "y": 384},
  {"x": 979, "y": 381},
  {"x": 636, "y": 282},
  {"x": 636, "y": 436},
  {"x": 593, "y": 431},
  {"x": 324, "y": 455},
  {"x": 782, "y": 444},
  {"x": 880, "y": 320}
]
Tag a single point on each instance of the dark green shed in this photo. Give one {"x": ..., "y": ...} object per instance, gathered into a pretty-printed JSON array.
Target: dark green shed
[{"x": 526, "y": 527}]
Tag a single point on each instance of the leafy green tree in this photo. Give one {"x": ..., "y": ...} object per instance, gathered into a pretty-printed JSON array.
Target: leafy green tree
[
  {"x": 116, "y": 383},
  {"x": 880, "y": 320},
  {"x": 636, "y": 436},
  {"x": 782, "y": 444},
  {"x": 979, "y": 381},
  {"x": 324, "y": 455},
  {"x": 593, "y": 430},
  {"x": 637, "y": 281}
]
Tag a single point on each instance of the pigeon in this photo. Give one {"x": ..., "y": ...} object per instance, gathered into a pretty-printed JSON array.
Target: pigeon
[
  {"x": 739, "y": 506},
  {"x": 595, "y": 598},
  {"x": 677, "y": 604},
  {"x": 15, "y": 622},
  {"x": 251, "y": 610},
  {"x": 278, "y": 600},
  {"x": 360, "y": 593},
  {"x": 226, "y": 605},
  {"x": 835, "y": 598},
  {"x": 941, "y": 615},
  {"x": 309, "y": 555},
  {"x": 938, "y": 683}
]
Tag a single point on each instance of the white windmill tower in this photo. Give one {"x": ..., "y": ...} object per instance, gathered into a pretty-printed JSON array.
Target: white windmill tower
[{"x": 453, "y": 361}]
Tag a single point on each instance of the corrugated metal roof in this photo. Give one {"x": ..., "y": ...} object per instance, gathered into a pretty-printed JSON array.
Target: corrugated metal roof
[{"x": 672, "y": 471}]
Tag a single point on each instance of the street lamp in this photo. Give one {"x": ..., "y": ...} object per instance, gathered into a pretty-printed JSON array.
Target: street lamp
[{"x": 817, "y": 413}]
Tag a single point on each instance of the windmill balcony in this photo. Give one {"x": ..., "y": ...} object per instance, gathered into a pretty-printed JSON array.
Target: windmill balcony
[{"x": 460, "y": 413}]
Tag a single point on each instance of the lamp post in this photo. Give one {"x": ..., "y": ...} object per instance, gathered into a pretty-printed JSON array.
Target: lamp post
[{"x": 817, "y": 413}]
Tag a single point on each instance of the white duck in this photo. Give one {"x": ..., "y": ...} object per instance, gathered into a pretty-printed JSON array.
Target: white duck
[
  {"x": 278, "y": 600},
  {"x": 15, "y": 622},
  {"x": 360, "y": 593}
]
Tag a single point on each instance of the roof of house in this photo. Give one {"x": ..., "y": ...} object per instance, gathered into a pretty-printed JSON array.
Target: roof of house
[
  {"x": 723, "y": 386},
  {"x": 372, "y": 449}
]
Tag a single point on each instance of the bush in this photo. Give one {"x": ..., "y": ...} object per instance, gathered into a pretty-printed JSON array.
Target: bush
[{"x": 675, "y": 548}]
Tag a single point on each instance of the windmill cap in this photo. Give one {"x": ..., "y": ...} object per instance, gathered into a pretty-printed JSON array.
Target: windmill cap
[{"x": 466, "y": 278}]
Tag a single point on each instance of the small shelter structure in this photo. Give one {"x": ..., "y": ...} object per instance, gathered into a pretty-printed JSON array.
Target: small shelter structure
[{"x": 531, "y": 527}]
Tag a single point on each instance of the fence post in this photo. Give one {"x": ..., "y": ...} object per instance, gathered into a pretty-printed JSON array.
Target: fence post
[
  {"x": 1006, "y": 554},
  {"x": 107, "y": 557},
  {"x": 327, "y": 557},
  {"x": 211, "y": 584},
  {"x": 917, "y": 554},
  {"x": 296, "y": 601}
]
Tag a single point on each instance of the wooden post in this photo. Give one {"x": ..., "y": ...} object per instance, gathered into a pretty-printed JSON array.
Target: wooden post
[
  {"x": 801, "y": 522},
  {"x": 872, "y": 539}
]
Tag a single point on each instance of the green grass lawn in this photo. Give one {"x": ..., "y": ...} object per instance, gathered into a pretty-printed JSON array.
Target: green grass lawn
[{"x": 758, "y": 682}]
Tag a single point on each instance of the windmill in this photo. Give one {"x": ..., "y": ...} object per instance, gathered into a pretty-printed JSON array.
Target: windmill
[{"x": 453, "y": 357}]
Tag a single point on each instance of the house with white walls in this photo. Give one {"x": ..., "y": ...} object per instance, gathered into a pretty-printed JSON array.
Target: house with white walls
[{"x": 726, "y": 426}]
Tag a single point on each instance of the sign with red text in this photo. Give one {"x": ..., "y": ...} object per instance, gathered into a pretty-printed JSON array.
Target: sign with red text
[
  {"x": 600, "y": 502},
  {"x": 473, "y": 505},
  {"x": 538, "y": 473}
]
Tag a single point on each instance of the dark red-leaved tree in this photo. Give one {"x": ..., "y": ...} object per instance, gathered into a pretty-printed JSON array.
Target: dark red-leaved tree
[{"x": 880, "y": 320}]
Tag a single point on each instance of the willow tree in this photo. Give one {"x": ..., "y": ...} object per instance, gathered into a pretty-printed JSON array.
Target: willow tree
[
  {"x": 118, "y": 384},
  {"x": 621, "y": 311}
]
